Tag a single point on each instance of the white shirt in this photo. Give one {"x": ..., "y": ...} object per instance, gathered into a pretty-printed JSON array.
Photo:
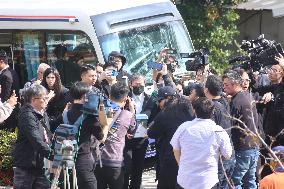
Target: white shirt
[
  {"x": 138, "y": 101},
  {"x": 200, "y": 142}
]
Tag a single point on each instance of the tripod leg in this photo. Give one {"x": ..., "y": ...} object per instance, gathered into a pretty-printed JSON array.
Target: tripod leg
[
  {"x": 65, "y": 176},
  {"x": 56, "y": 177},
  {"x": 68, "y": 181},
  {"x": 75, "y": 184}
]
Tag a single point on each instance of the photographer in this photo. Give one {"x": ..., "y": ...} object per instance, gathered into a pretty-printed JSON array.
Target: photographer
[
  {"x": 108, "y": 77},
  {"x": 32, "y": 144},
  {"x": 119, "y": 61},
  {"x": 167, "y": 57},
  {"x": 202, "y": 73},
  {"x": 273, "y": 98},
  {"x": 90, "y": 127},
  {"x": 111, "y": 173}
]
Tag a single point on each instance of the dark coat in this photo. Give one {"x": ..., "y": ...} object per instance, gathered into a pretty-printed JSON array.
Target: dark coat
[
  {"x": 90, "y": 126},
  {"x": 243, "y": 109},
  {"x": 274, "y": 112},
  {"x": 31, "y": 146},
  {"x": 9, "y": 81},
  {"x": 121, "y": 74},
  {"x": 56, "y": 106},
  {"x": 165, "y": 125}
]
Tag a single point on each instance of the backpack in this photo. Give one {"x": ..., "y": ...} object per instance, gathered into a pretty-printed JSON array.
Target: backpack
[{"x": 66, "y": 141}]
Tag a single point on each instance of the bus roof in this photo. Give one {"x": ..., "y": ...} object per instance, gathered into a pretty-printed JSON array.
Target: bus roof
[{"x": 89, "y": 7}]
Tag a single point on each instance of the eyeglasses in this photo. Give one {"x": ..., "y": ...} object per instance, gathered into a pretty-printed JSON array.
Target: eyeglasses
[
  {"x": 273, "y": 70},
  {"x": 247, "y": 80},
  {"x": 42, "y": 98}
]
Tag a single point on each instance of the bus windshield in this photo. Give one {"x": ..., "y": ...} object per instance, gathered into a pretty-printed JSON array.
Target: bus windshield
[{"x": 142, "y": 44}]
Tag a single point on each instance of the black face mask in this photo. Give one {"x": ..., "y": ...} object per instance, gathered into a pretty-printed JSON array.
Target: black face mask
[{"x": 138, "y": 90}]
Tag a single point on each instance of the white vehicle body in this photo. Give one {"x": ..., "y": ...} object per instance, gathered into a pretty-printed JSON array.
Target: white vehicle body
[{"x": 96, "y": 19}]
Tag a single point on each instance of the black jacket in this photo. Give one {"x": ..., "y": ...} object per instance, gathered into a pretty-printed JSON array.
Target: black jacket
[
  {"x": 90, "y": 126},
  {"x": 221, "y": 114},
  {"x": 9, "y": 81},
  {"x": 31, "y": 146},
  {"x": 56, "y": 106},
  {"x": 165, "y": 125},
  {"x": 243, "y": 109},
  {"x": 274, "y": 111},
  {"x": 122, "y": 73}
]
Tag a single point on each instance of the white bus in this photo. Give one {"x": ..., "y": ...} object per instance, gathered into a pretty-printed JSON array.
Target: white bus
[{"x": 61, "y": 31}]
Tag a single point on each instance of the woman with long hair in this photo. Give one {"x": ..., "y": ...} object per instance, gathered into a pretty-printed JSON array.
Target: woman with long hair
[
  {"x": 177, "y": 111},
  {"x": 52, "y": 82}
]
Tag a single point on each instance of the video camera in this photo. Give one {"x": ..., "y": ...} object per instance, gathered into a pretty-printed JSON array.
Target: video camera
[
  {"x": 65, "y": 138},
  {"x": 262, "y": 52},
  {"x": 197, "y": 59}
]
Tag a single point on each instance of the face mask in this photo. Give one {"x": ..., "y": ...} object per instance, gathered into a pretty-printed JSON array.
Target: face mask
[{"x": 138, "y": 90}]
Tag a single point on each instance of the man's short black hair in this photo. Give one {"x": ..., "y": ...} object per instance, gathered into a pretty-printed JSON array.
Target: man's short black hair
[
  {"x": 199, "y": 89},
  {"x": 118, "y": 91},
  {"x": 85, "y": 68},
  {"x": 214, "y": 85},
  {"x": 233, "y": 76},
  {"x": 203, "y": 108},
  {"x": 79, "y": 89}
]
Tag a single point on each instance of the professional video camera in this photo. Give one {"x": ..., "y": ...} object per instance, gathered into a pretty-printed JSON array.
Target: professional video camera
[
  {"x": 65, "y": 144},
  {"x": 197, "y": 59},
  {"x": 262, "y": 52}
]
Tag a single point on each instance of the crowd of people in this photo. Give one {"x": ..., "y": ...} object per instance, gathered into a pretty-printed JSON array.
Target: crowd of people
[{"x": 208, "y": 131}]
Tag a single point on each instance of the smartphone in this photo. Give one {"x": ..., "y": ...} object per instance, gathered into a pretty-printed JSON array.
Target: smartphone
[
  {"x": 114, "y": 73},
  {"x": 154, "y": 65},
  {"x": 125, "y": 80}
]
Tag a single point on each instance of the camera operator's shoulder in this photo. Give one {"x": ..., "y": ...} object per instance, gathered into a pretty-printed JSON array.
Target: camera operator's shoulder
[{"x": 126, "y": 117}]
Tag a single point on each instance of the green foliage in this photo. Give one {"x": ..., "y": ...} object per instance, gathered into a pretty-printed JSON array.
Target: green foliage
[
  {"x": 212, "y": 24},
  {"x": 7, "y": 139}
]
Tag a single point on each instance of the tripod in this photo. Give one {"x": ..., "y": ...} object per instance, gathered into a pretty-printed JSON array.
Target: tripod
[{"x": 64, "y": 161}]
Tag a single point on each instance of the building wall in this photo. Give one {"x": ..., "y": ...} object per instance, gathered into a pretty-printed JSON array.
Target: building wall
[{"x": 253, "y": 23}]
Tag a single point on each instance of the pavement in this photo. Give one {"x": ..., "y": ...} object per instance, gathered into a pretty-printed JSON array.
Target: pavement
[
  {"x": 149, "y": 174},
  {"x": 148, "y": 178}
]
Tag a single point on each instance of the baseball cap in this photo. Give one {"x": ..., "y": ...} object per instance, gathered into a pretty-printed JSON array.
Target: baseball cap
[
  {"x": 164, "y": 92},
  {"x": 118, "y": 54}
]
